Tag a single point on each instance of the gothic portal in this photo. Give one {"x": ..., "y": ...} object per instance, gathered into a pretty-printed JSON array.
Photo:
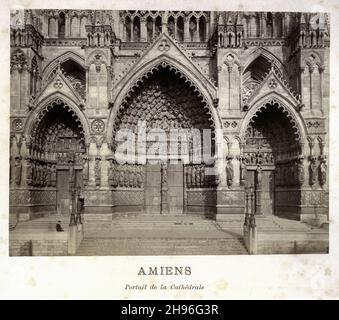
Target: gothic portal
[{"x": 256, "y": 82}]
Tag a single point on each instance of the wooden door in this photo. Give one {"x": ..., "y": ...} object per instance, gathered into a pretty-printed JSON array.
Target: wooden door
[
  {"x": 153, "y": 189},
  {"x": 175, "y": 188},
  {"x": 63, "y": 196}
]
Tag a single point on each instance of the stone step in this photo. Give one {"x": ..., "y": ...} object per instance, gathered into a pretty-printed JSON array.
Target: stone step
[{"x": 161, "y": 246}]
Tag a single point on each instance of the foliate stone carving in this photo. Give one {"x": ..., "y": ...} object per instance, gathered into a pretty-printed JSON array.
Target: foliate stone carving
[
  {"x": 97, "y": 171},
  {"x": 272, "y": 84},
  {"x": 231, "y": 124},
  {"x": 322, "y": 171},
  {"x": 17, "y": 125},
  {"x": 229, "y": 171},
  {"x": 164, "y": 45},
  {"x": 313, "y": 170},
  {"x": 98, "y": 126},
  {"x": 201, "y": 197},
  {"x": 58, "y": 84},
  {"x": 18, "y": 61}
]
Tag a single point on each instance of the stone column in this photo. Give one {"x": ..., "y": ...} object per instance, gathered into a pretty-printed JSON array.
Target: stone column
[
  {"x": 143, "y": 30},
  {"x": 186, "y": 30},
  {"x": 211, "y": 24},
  {"x": 92, "y": 152},
  {"x": 56, "y": 27},
  {"x": 67, "y": 25},
  {"x": 207, "y": 34},
  {"x": 131, "y": 28},
  {"x": 105, "y": 162},
  {"x": 164, "y": 21}
]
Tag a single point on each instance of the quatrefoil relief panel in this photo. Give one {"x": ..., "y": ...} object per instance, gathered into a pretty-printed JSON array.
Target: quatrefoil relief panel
[
  {"x": 164, "y": 45},
  {"x": 17, "y": 125},
  {"x": 57, "y": 84},
  {"x": 272, "y": 84},
  {"x": 98, "y": 126}
]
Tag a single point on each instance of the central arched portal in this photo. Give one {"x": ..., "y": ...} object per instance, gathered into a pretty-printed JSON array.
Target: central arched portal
[
  {"x": 175, "y": 120},
  {"x": 273, "y": 162}
]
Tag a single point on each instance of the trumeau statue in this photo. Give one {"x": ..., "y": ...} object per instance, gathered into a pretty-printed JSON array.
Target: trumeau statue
[{"x": 259, "y": 176}]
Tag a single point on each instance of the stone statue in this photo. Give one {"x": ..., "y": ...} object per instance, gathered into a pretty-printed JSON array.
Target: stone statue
[
  {"x": 202, "y": 176},
  {"x": 313, "y": 170},
  {"x": 197, "y": 179},
  {"x": 97, "y": 172},
  {"x": 243, "y": 171},
  {"x": 322, "y": 171},
  {"x": 29, "y": 177},
  {"x": 110, "y": 173},
  {"x": 115, "y": 175},
  {"x": 38, "y": 174},
  {"x": 85, "y": 170},
  {"x": 53, "y": 176},
  {"x": 259, "y": 176},
  {"x": 126, "y": 176},
  {"x": 229, "y": 171},
  {"x": 188, "y": 177},
  {"x": 17, "y": 170},
  {"x": 121, "y": 177},
  {"x": 130, "y": 170},
  {"x": 48, "y": 175},
  {"x": 135, "y": 177},
  {"x": 139, "y": 179},
  {"x": 300, "y": 170},
  {"x": 193, "y": 173}
]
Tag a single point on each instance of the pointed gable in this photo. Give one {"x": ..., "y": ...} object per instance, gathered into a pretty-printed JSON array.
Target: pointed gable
[
  {"x": 58, "y": 83},
  {"x": 169, "y": 49},
  {"x": 274, "y": 83}
]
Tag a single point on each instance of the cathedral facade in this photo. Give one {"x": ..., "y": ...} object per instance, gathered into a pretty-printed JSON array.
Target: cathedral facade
[{"x": 258, "y": 82}]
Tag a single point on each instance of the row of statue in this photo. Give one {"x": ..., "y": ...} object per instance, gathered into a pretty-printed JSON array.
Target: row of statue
[
  {"x": 293, "y": 172},
  {"x": 196, "y": 177},
  {"x": 253, "y": 158},
  {"x": 126, "y": 175},
  {"x": 41, "y": 174},
  {"x": 64, "y": 157},
  {"x": 44, "y": 174}
]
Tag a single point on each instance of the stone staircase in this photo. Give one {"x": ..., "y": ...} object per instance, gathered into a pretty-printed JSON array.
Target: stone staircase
[
  {"x": 40, "y": 225},
  {"x": 161, "y": 235},
  {"x": 283, "y": 236}
]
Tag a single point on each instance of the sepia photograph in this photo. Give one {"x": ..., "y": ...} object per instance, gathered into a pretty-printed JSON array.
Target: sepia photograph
[{"x": 162, "y": 133}]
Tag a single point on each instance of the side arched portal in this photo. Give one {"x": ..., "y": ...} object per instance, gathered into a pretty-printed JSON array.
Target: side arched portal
[
  {"x": 273, "y": 161},
  {"x": 57, "y": 157}
]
